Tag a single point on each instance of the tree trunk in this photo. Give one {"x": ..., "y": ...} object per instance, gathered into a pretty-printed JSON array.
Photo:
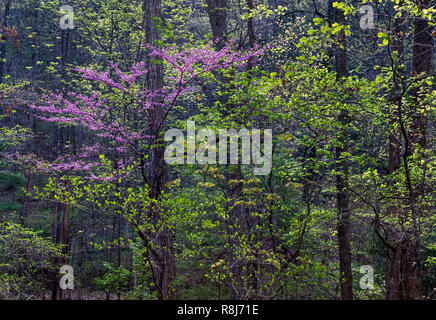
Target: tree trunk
[
  {"x": 56, "y": 239},
  {"x": 35, "y": 44},
  {"x": 393, "y": 274},
  {"x": 65, "y": 242},
  {"x": 162, "y": 259},
  {"x": 393, "y": 253},
  {"x": 250, "y": 25},
  {"x": 217, "y": 11},
  {"x": 423, "y": 52},
  {"x": 342, "y": 198},
  {"x": 7, "y": 7}
]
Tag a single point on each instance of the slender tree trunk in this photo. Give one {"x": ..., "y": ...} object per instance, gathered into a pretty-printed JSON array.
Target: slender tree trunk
[
  {"x": 217, "y": 11},
  {"x": 7, "y": 7},
  {"x": 55, "y": 151},
  {"x": 81, "y": 257},
  {"x": 393, "y": 253},
  {"x": 35, "y": 44},
  {"x": 65, "y": 242},
  {"x": 342, "y": 197},
  {"x": 56, "y": 231},
  {"x": 66, "y": 231},
  {"x": 423, "y": 54},
  {"x": 393, "y": 274},
  {"x": 162, "y": 259}
]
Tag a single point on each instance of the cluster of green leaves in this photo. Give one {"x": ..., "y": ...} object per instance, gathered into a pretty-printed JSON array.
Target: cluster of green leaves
[{"x": 25, "y": 261}]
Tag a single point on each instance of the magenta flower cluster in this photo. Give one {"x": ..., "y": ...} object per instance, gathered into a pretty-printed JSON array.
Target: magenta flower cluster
[{"x": 120, "y": 136}]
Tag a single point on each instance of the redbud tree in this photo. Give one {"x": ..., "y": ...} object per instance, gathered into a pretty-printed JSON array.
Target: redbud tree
[{"x": 109, "y": 171}]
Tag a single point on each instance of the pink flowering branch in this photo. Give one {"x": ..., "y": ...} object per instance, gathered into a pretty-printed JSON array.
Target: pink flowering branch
[{"x": 121, "y": 127}]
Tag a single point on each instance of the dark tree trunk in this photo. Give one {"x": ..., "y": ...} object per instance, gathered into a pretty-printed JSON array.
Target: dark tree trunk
[
  {"x": 65, "y": 242},
  {"x": 423, "y": 54},
  {"x": 409, "y": 272},
  {"x": 35, "y": 44},
  {"x": 342, "y": 198},
  {"x": 66, "y": 231},
  {"x": 393, "y": 274},
  {"x": 393, "y": 252},
  {"x": 162, "y": 259},
  {"x": 56, "y": 239},
  {"x": 7, "y": 7},
  {"x": 423, "y": 51},
  {"x": 217, "y": 11},
  {"x": 250, "y": 25}
]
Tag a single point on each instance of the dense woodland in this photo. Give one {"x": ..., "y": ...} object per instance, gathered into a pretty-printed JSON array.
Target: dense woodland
[{"x": 347, "y": 210}]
